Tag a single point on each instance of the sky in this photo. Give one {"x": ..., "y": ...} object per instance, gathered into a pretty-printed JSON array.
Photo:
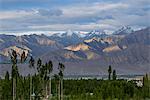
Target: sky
[{"x": 22, "y": 16}]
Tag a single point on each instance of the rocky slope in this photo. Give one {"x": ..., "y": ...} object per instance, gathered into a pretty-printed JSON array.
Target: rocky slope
[{"x": 127, "y": 50}]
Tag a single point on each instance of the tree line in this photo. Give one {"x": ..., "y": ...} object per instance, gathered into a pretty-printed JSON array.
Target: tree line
[{"x": 52, "y": 87}]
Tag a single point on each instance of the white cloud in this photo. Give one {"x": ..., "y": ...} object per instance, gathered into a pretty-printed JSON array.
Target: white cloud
[
  {"x": 15, "y": 14},
  {"x": 59, "y": 27},
  {"x": 90, "y": 9},
  {"x": 104, "y": 15}
]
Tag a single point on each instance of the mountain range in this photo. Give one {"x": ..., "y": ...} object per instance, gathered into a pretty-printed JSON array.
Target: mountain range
[{"x": 128, "y": 51}]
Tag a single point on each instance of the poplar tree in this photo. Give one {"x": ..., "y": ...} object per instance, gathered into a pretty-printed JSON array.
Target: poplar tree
[
  {"x": 109, "y": 72},
  {"x": 114, "y": 75},
  {"x": 61, "y": 68}
]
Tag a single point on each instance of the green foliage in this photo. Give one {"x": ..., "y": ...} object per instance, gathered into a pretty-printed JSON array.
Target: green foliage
[
  {"x": 91, "y": 89},
  {"x": 146, "y": 86}
]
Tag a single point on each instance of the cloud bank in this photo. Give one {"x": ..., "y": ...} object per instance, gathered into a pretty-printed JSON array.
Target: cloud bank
[{"x": 73, "y": 14}]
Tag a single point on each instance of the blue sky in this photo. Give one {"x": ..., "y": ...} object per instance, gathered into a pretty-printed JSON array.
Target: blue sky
[{"x": 18, "y": 16}]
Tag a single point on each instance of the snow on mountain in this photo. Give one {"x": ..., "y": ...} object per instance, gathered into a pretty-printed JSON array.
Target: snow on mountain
[
  {"x": 124, "y": 51},
  {"x": 67, "y": 38},
  {"x": 124, "y": 30},
  {"x": 96, "y": 33},
  {"x": 81, "y": 34},
  {"x": 70, "y": 33}
]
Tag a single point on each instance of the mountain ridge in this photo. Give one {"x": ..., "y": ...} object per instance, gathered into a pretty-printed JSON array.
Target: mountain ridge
[{"x": 129, "y": 50}]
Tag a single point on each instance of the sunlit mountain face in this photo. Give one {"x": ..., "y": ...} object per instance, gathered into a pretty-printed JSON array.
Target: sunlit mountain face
[{"x": 127, "y": 50}]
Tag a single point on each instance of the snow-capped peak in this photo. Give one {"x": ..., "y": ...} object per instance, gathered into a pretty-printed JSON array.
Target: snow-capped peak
[
  {"x": 63, "y": 34},
  {"x": 69, "y": 33},
  {"x": 97, "y": 32},
  {"x": 74, "y": 33},
  {"x": 124, "y": 30}
]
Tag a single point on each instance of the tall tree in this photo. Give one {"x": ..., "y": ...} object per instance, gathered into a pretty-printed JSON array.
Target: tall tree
[
  {"x": 39, "y": 64},
  {"x": 5, "y": 92},
  {"x": 23, "y": 58},
  {"x": 46, "y": 74},
  {"x": 57, "y": 81},
  {"x": 61, "y": 68},
  {"x": 146, "y": 86},
  {"x": 44, "y": 77},
  {"x": 14, "y": 72},
  {"x": 50, "y": 69},
  {"x": 114, "y": 75},
  {"x": 39, "y": 69},
  {"x": 31, "y": 65},
  {"x": 109, "y": 72}
]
